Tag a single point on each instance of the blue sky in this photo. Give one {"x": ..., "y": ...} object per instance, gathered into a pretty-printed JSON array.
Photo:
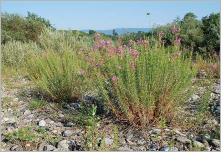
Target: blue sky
[{"x": 111, "y": 14}]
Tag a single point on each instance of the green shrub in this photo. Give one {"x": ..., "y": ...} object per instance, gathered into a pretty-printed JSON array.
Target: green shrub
[
  {"x": 61, "y": 76},
  {"x": 14, "y": 53},
  {"x": 59, "y": 41},
  {"x": 145, "y": 89}
]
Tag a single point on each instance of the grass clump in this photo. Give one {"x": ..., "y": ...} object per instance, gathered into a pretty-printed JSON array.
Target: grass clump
[
  {"x": 143, "y": 86},
  {"x": 36, "y": 104},
  {"x": 22, "y": 134},
  {"x": 61, "y": 76}
]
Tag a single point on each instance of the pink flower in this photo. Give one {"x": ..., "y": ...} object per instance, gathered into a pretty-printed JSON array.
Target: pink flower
[
  {"x": 177, "y": 40},
  {"x": 161, "y": 34},
  {"x": 119, "y": 50},
  {"x": 134, "y": 53},
  {"x": 175, "y": 29},
  {"x": 114, "y": 78}
]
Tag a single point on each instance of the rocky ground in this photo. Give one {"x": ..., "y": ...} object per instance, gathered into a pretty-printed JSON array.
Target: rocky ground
[{"x": 28, "y": 125}]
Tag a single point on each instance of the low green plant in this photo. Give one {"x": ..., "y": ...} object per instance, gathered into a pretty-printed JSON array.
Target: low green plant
[
  {"x": 202, "y": 109},
  {"x": 116, "y": 139},
  {"x": 141, "y": 89},
  {"x": 36, "y": 104},
  {"x": 91, "y": 135},
  {"x": 61, "y": 76},
  {"x": 22, "y": 134}
]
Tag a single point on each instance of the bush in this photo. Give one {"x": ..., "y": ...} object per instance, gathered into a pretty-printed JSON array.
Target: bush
[
  {"x": 62, "y": 76},
  {"x": 14, "y": 53},
  {"x": 63, "y": 40},
  {"x": 144, "y": 87}
]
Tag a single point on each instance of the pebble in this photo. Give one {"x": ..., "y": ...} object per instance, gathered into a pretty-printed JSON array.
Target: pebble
[
  {"x": 27, "y": 112},
  {"x": 49, "y": 148},
  {"x": 75, "y": 105},
  {"x": 125, "y": 148},
  {"x": 195, "y": 97},
  {"x": 167, "y": 148},
  {"x": 63, "y": 145},
  {"x": 155, "y": 131},
  {"x": 108, "y": 141},
  {"x": 183, "y": 140},
  {"x": 16, "y": 148},
  {"x": 67, "y": 133},
  {"x": 69, "y": 124},
  {"x": 198, "y": 144},
  {"x": 42, "y": 123},
  {"x": 60, "y": 115},
  {"x": 153, "y": 147}
]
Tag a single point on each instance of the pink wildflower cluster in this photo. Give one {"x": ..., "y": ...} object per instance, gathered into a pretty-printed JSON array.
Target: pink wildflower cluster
[
  {"x": 177, "y": 40},
  {"x": 143, "y": 42},
  {"x": 175, "y": 29},
  {"x": 134, "y": 53},
  {"x": 114, "y": 79},
  {"x": 100, "y": 43}
]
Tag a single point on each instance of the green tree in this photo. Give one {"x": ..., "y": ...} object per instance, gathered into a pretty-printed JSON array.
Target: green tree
[
  {"x": 191, "y": 31},
  {"x": 211, "y": 30},
  {"x": 91, "y": 32},
  {"x": 18, "y": 28}
]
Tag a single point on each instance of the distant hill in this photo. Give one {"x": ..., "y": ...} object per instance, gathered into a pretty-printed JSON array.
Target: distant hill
[{"x": 121, "y": 31}]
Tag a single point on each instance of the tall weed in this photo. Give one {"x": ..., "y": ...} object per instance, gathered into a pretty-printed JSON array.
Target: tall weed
[
  {"x": 62, "y": 76},
  {"x": 143, "y": 86}
]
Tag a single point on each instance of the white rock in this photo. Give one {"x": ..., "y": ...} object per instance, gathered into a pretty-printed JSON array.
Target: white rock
[
  {"x": 27, "y": 112},
  {"x": 198, "y": 144},
  {"x": 195, "y": 97},
  {"x": 42, "y": 123},
  {"x": 63, "y": 145}
]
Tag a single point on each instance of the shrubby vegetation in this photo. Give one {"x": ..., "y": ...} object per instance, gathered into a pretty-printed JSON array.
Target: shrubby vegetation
[
  {"x": 141, "y": 78},
  {"x": 24, "y": 29},
  {"x": 201, "y": 36}
]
